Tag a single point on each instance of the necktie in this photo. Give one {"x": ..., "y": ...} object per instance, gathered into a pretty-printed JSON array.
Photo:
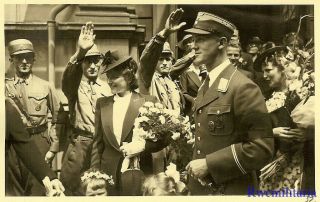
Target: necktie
[
  {"x": 206, "y": 85},
  {"x": 203, "y": 76}
]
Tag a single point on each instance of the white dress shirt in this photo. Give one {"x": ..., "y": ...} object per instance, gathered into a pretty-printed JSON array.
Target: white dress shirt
[
  {"x": 215, "y": 72},
  {"x": 120, "y": 108}
]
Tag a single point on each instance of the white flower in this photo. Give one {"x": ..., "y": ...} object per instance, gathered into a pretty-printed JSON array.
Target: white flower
[
  {"x": 295, "y": 84},
  {"x": 292, "y": 70},
  {"x": 159, "y": 105},
  {"x": 149, "y": 104},
  {"x": 172, "y": 172},
  {"x": 162, "y": 119},
  {"x": 175, "y": 120},
  {"x": 144, "y": 119},
  {"x": 143, "y": 111},
  {"x": 175, "y": 136},
  {"x": 154, "y": 110}
]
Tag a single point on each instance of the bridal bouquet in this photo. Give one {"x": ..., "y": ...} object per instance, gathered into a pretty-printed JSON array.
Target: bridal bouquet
[{"x": 156, "y": 123}]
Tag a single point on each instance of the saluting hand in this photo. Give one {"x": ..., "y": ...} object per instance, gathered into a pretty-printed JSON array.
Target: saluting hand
[
  {"x": 86, "y": 38},
  {"x": 173, "y": 23}
]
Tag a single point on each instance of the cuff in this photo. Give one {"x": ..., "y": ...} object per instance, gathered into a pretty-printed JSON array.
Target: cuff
[
  {"x": 54, "y": 147},
  {"x": 159, "y": 39}
]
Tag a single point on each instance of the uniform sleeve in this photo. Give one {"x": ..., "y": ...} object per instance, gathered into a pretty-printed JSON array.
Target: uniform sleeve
[
  {"x": 71, "y": 79},
  {"x": 148, "y": 62},
  {"x": 54, "y": 106},
  {"x": 257, "y": 146},
  {"x": 97, "y": 145},
  {"x": 180, "y": 66},
  {"x": 25, "y": 148}
]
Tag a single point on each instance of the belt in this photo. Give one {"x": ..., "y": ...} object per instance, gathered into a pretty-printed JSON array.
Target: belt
[
  {"x": 37, "y": 129},
  {"x": 79, "y": 132}
]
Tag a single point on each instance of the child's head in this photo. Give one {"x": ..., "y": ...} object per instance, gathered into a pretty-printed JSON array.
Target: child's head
[
  {"x": 95, "y": 182},
  {"x": 162, "y": 185},
  {"x": 159, "y": 185}
]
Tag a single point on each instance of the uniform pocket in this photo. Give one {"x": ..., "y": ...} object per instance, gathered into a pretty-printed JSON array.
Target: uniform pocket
[
  {"x": 220, "y": 120},
  {"x": 38, "y": 104}
]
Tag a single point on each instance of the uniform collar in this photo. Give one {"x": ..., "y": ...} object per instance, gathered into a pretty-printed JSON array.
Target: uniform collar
[
  {"x": 19, "y": 80},
  {"x": 92, "y": 82},
  {"x": 215, "y": 72}
]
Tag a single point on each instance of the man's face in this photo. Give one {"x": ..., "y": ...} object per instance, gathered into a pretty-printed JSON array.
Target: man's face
[
  {"x": 253, "y": 49},
  {"x": 235, "y": 36},
  {"x": 117, "y": 82},
  {"x": 233, "y": 54},
  {"x": 164, "y": 64},
  {"x": 23, "y": 63},
  {"x": 272, "y": 75},
  {"x": 189, "y": 44},
  {"x": 91, "y": 66},
  {"x": 206, "y": 49}
]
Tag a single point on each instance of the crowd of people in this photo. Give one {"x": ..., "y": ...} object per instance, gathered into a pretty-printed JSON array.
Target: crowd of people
[{"x": 251, "y": 114}]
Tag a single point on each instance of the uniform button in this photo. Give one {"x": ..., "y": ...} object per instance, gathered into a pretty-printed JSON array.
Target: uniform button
[
  {"x": 199, "y": 138},
  {"x": 198, "y": 124},
  {"x": 218, "y": 112},
  {"x": 20, "y": 96},
  {"x": 200, "y": 111},
  {"x": 198, "y": 152}
]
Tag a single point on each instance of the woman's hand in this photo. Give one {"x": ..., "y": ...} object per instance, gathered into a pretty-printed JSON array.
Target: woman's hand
[
  {"x": 289, "y": 134},
  {"x": 133, "y": 148},
  {"x": 277, "y": 132}
]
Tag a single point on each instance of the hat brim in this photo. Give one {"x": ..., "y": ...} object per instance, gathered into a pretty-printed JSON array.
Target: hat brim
[
  {"x": 116, "y": 64},
  {"x": 197, "y": 31},
  {"x": 22, "y": 51},
  {"x": 181, "y": 44},
  {"x": 93, "y": 54},
  {"x": 257, "y": 65}
]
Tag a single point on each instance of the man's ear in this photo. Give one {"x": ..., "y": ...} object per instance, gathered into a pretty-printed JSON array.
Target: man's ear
[
  {"x": 10, "y": 59},
  {"x": 223, "y": 42}
]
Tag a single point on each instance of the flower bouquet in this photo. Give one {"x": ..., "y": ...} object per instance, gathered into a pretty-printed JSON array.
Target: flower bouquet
[
  {"x": 157, "y": 123},
  {"x": 286, "y": 171}
]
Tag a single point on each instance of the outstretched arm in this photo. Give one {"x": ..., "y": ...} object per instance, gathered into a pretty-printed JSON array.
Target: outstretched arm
[{"x": 151, "y": 53}]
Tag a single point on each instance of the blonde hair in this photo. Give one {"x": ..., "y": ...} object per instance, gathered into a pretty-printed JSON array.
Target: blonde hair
[
  {"x": 160, "y": 185},
  {"x": 96, "y": 178}
]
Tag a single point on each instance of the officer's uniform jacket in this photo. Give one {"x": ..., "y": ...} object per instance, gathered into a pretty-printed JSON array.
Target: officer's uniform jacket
[
  {"x": 38, "y": 98},
  {"x": 233, "y": 133},
  {"x": 18, "y": 137},
  {"x": 190, "y": 84}
]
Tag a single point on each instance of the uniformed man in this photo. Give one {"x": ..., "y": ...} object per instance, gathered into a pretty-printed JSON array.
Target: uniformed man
[
  {"x": 233, "y": 136},
  {"x": 154, "y": 74},
  {"x": 36, "y": 99},
  {"x": 18, "y": 138},
  {"x": 82, "y": 87},
  {"x": 156, "y": 63}
]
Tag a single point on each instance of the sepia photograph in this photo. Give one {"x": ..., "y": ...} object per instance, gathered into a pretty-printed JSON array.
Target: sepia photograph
[{"x": 159, "y": 100}]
